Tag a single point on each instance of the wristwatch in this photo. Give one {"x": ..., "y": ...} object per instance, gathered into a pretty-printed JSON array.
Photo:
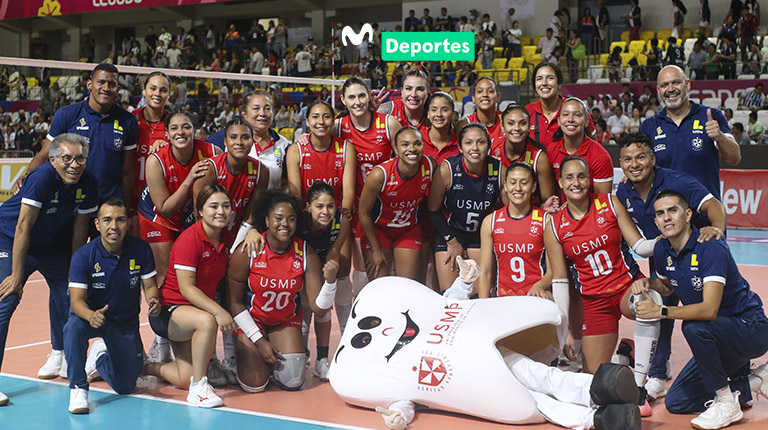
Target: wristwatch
[{"x": 664, "y": 311}]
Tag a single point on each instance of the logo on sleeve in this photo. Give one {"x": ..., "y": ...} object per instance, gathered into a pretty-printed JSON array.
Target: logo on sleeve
[
  {"x": 696, "y": 282},
  {"x": 659, "y": 134},
  {"x": 82, "y": 125},
  {"x": 132, "y": 265},
  {"x": 117, "y": 128},
  {"x": 79, "y": 194}
]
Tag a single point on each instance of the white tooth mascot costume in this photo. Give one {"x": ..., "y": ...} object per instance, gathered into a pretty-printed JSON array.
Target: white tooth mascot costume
[{"x": 406, "y": 344}]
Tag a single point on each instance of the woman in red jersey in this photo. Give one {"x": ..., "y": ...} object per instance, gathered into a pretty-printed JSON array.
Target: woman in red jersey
[
  {"x": 165, "y": 207},
  {"x": 512, "y": 241},
  {"x": 592, "y": 231},
  {"x": 264, "y": 295},
  {"x": 331, "y": 160},
  {"x": 371, "y": 134},
  {"x": 548, "y": 81},
  {"x": 464, "y": 190},
  {"x": 410, "y": 109},
  {"x": 151, "y": 119},
  {"x": 242, "y": 175},
  {"x": 575, "y": 141},
  {"x": 389, "y": 208},
  {"x": 189, "y": 316},
  {"x": 486, "y": 97},
  {"x": 440, "y": 142}
]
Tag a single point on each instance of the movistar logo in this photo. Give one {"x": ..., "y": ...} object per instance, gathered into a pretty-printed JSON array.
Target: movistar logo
[{"x": 356, "y": 38}]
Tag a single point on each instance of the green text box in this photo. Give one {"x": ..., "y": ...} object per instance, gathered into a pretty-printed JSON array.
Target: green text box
[{"x": 426, "y": 46}]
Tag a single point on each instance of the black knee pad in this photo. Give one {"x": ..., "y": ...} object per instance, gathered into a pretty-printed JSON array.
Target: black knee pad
[
  {"x": 625, "y": 416},
  {"x": 613, "y": 384}
]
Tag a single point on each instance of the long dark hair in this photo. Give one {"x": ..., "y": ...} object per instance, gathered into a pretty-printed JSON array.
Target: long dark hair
[{"x": 518, "y": 107}]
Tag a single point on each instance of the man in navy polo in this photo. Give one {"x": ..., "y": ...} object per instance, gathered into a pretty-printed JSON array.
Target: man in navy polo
[
  {"x": 106, "y": 277},
  {"x": 52, "y": 196},
  {"x": 645, "y": 180},
  {"x": 723, "y": 319},
  {"x": 112, "y": 133},
  {"x": 687, "y": 136}
]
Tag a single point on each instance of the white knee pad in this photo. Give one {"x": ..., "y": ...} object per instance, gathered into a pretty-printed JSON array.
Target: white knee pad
[
  {"x": 289, "y": 372},
  {"x": 634, "y": 298},
  {"x": 249, "y": 389},
  {"x": 323, "y": 319}
]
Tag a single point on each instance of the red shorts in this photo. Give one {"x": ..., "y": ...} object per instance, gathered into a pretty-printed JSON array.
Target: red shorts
[
  {"x": 293, "y": 321},
  {"x": 153, "y": 232},
  {"x": 390, "y": 238},
  {"x": 601, "y": 314}
]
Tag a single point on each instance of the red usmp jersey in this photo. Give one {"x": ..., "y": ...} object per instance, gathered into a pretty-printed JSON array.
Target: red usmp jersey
[
  {"x": 325, "y": 166},
  {"x": 519, "y": 248},
  {"x": 399, "y": 198}
]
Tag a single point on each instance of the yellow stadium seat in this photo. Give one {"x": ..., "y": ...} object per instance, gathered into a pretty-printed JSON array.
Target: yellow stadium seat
[
  {"x": 647, "y": 35},
  {"x": 662, "y": 45},
  {"x": 287, "y": 132},
  {"x": 529, "y": 52},
  {"x": 642, "y": 60},
  {"x": 525, "y": 40},
  {"x": 478, "y": 65},
  {"x": 625, "y": 57},
  {"x": 485, "y": 73},
  {"x": 604, "y": 59},
  {"x": 515, "y": 63},
  {"x": 32, "y": 82},
  {"x": 391, "y": 66},
  {"x": 497, "y": 51},
  {"x": 625, "y": 36},
  {"x": 499, "y": 63},
  {"x": 518, "y": 75},
  {"x": 636, "y": 47},
  {"x": 622, "y": 45},
  {"x": 664, "y": 34},
  {"x": 687, "y": 34}
]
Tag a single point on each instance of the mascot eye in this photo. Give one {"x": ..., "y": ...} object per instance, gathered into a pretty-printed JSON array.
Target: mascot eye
[
  {"x": 368, "y": 323},
  {"x": 361, "y": 340}
]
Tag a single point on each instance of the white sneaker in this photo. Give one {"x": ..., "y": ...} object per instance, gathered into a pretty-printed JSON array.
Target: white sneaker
[
  {"x": 216, "y": 373},
  {"x": 720, "y": 413},
  {"x": 321, "y": 369},
  {"x": 52, "y": 365},
  {"x": 3, "y": 399},
  {"x": 63, "y": 371},
  {"x": 762, "y": 373},
  {"x": 98, "y": 349},
  {"x": 656, "y": 387},
  {"x": 78, "y": 401},
  {"x": 229, "y": 366},
  {"x": 159, "y": 353},
  {"x": 201, "y": 394}
]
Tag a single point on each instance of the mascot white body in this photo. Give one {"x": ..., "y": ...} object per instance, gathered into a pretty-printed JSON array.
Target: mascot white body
[{"x": 405, "y": 342}]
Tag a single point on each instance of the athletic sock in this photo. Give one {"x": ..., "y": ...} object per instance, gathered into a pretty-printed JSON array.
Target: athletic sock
[
  {"x": 322, "y": 352},
  {"x": 725, "y": 393},
  {"x": 646, "y": 336}
]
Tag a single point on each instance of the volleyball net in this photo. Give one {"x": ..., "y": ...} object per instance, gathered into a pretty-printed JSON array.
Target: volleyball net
[{"x": 37, "y": 88}]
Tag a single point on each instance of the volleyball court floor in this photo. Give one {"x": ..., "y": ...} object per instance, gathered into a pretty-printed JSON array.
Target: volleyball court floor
[{"x": 38, "y": 404}]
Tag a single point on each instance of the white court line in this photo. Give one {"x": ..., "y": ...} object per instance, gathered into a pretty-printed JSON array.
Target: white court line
[
  {"x": 183, "y": 403},
  {"x": 11, "y": 348}
]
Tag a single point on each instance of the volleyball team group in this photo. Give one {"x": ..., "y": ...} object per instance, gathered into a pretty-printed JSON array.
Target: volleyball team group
[{"x": 253, "y": 236}]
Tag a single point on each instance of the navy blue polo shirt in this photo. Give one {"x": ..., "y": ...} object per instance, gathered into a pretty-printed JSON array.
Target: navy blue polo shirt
[
  {"x": 108, "y": 136},
  {"x": 57, "y": 201},
  {"x": 113, "y": 280},
  {"x": 642, "y": 212},
  {"x": 699, "y": 263},
  {"x": 687, "y": 148}
]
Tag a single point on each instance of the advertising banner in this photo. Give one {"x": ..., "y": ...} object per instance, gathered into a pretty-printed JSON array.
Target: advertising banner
[
  {"x": 11, "y": 169},
  {"x": 743, "y": 198},
  {"x": 12, "y": 9},
  {"x": 699, "y": 89}
]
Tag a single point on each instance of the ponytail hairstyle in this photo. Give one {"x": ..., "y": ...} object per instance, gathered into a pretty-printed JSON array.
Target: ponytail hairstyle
[
  {"x": 354, "y": 80},
  {"x": 559, "y": 132}
]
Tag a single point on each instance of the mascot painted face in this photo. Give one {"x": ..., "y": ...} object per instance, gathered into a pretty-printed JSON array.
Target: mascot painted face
[{"x": 405, "y": 342}]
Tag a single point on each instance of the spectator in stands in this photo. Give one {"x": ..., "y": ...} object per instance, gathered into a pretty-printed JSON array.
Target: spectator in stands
[
  {"x": 303, "y": 61},
  {"x": 705, "y": 16},
  {"x": 362, "y": 69},
  {"x": 601, "y": 134},
  {"x": 590, "y": 102},
  {"x": 626, "y": 103},
  {"x": 232, "y": 38},
  {"x": 411, "y": 23},
  {"x": 747, "y": 26},
  {"x": 633, "y": 20},
  {"x": 150, "y": 39},
  {"x": 753, "y": 61},
  {"x": 565, "y": 18},
  {"x": 755, "y": 129},
  {"x": 488, "y": 25},
  {"x": 712, "y": 63},
  {"x": 210, "y": 41},
  {"x": 654, "y": 60},
  {"x": 675, "y": 54},
  {"x": 587, "y": 30},
  {"x": 509, "y": 22},
  {"x": 273, "y": 62},
  {"x": 467, "y": 77},
  {"x": 678, "y": 17},
  {"x": 281, "y": 37},
  {"x": 514, "y": 47},
  {"x": 754, "y": 99},
  {"x": 596, "y": 115},
  {"x": 472, "y": 26},
  {"x": 727, "y": 56},
  {"x": 738, "y": 133},
  {"x": 173, "y": 54},
  {"x": 443, "y": 22},
  {"x": 603, "y": 20},
  {"x": 257, "y": 60},
  {"x": 165, "y": 36},
  {"x": 449, "y": 74},
  {"x": 728, "y": 112},
  {"x": 696, "y": 61},
  {"x": 617, "y": 124},
  {"x": 226, "y": 115},
  {"x": 556, "y": 24},
  {"x": 488, "y": 43},
  {"x": 282, "y": 118},
  {"x": 613, "y": 65},
  {"x": 547, "y": 46},
  {"x": 606, "y": 107},
  {"x": 426, "y": 23},
  {"x": 754, "y": 8},
  {"x": 573, "y": 64},
  {"x": 729, "y": 27},
  {"x": 25, "y": 137},
  {"x": 633, "y": 125}
]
